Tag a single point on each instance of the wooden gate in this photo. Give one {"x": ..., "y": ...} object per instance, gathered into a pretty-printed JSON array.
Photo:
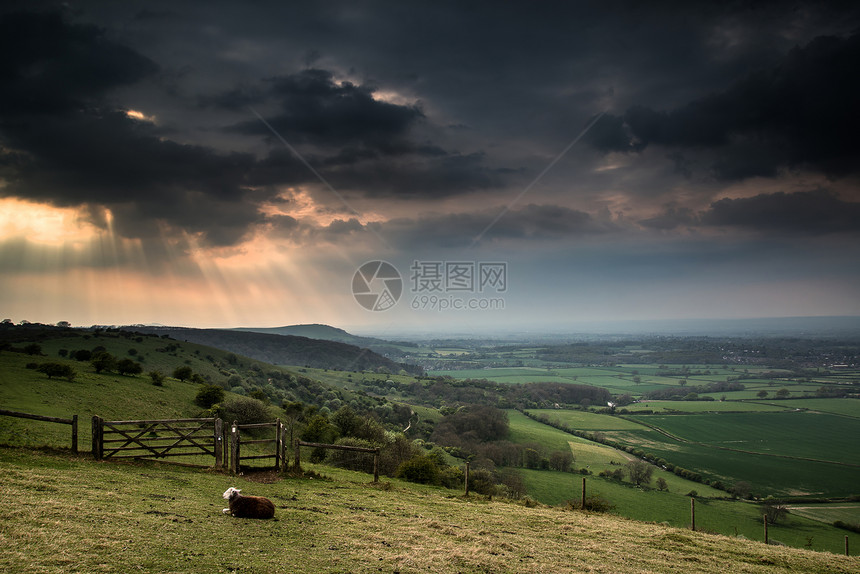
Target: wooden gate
[
  {"x": 158, "y": 439},
  {"x": 277, "y": 453}
]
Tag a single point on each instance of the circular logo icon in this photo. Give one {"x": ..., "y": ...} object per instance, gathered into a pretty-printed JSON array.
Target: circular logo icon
[{"x": 377, "y": 285}]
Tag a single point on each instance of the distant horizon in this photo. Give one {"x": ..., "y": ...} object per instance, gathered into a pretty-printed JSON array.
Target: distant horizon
[{"x": 796, "y": 326}]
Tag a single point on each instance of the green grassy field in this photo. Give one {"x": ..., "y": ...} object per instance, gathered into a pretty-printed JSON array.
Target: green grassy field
[
  {"x": 707, "y": 406},
  {"x": 767, "y": 449},
  {"x": 813, "y": 523},
  {"x": 587, "y": 421},
  {"x": 846, "y": 407},
  {"x": 802, "y": 434},
  {"x": 70, "y": 514},
  {"x": 829, "y": 512},
  {"x": 730, "y": 518}
]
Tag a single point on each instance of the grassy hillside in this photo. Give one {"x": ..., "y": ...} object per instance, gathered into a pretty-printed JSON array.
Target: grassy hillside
[
  {"x": 116, "y": 397},
  {"x": 285, "y": 349},
  {"x": 63, "y": 513},
  {"x": 111, "y": 396}
]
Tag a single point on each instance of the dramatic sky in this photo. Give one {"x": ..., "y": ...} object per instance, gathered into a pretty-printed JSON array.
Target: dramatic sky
[{"x": 548, "y": 163}]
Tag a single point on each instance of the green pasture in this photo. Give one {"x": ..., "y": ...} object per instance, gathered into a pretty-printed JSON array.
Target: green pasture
[
  {"x": 801, "y": 434},
  {"x": 829, "y": 512},
  {"x": 766, "y": 449},
  {"x": 499, "y": 375},
  {"x": 587, "y": 421},
  {"x": 446, "y": 351},
  {"x": 769, "y": 475},
  {"x": 615, "y": 380},
  {"x": 731, "y": 518},
  {"x": 587, "y": 454},
  {"x": 705, "y": 406},
  {"x": 525, "y": 430},
  {"x": 751, "y": 392},
  {"x": 845, "y": 407}
]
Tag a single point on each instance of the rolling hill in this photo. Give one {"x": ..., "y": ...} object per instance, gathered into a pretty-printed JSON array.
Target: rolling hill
[{"x": 285, "y": 349}]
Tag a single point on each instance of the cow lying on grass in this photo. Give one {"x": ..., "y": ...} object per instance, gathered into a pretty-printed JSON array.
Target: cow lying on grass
[{"x": 247, "y": 506}]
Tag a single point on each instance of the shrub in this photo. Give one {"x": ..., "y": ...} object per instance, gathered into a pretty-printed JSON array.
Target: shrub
[
  {"x": 128, "y": 367},
  {"x": 847, "y": 526},
  {"x": 617, "y": 474},
  {"x": 103, "y": 361},
  {"x": 182, "y": 373},
  {"x": 419, "y": 469},
  {"x": 245, "y": 411},
  {"x": 157, "y": 378},
  {"x": 594, "y": 503},
  {"x": 319, "y": 430},
  {"x": 208, "y": 395},
  {"x": 451, "y": 477},
  {"x": 561, "y": 460},
  {"x": 360, "y": 461},
  {"x": 57, "y": 370},
  {"x": 481, "y": 481},
  {"x": 33, "y": 349},
  {"x": 82, "y": 355},
  {"x": 397, "y": 448}
]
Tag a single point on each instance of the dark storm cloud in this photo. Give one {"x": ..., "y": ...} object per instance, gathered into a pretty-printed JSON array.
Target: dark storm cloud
[
  {"x": 358, "y": 143},
  {"x": 804, "y": 213},
  {"x": 523, "y": 78},
  {"x": 314, "y": 108},
  {"x": 418, "y": 176},
  {"x": 48, "y": 66},
  {"x": 459, "y": 230},
  {"x": 798, "y": 114},
  {"x": 67, "y": 144},
  {"x": 121, "y": 163},
  {"x": 672, "y": 218}
]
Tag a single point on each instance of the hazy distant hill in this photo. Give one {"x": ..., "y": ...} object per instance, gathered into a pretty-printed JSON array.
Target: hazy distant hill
[
  {"x": 285, "y": 349},
  {"x": 329, "y": 333},
  {"x": 316, "y": 331}
]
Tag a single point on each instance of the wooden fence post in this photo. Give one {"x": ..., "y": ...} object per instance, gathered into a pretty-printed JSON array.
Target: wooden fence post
[
  {"x": 846, "y": 546},
  {"x": 765, "y": 529},
  {"x": 234, "y": 448},
  {"x": 583, "y": 493},
  {"x": 282, "y": 448},
  {"x": 693, "y": 514},
  {"x": 218, "y": 436},
  {"x": 97, "y": 437},
  {"x": 297, "y": 464},
  {"x": 376, "y": 466},
  {"x": 467, "y": 479},
  {"x": 277, "y": 444},
  {"x": 75, "y": 433}
]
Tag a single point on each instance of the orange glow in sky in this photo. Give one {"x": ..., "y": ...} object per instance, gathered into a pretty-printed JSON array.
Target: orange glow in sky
[{"x": 44, "y": 224}]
